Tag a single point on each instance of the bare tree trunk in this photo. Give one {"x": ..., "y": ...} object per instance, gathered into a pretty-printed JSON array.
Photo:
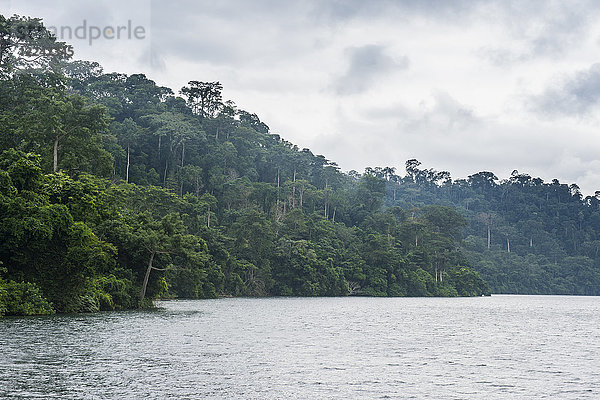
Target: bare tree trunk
[
  {"x": 326, "y": 198},
  {"x": 55, "y": 166},
  {"x": 165, "y": 176},
  {"x": 507, "y": 245},
  {"x": 353, "y": 288},
  {"x": 127, "y": 172},
  {"x": 278, "y": 187},
  {"x": 294, "y": 191},
  {"x": 145, "y": 284},
  {"x": 488, "y": 238},
  {"x": 182, "y": 153},
  {"x": 334, "y": 210},
  {"x": 159, "y": 142}
]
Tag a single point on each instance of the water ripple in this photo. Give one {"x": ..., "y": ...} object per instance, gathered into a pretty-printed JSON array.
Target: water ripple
[{"x": 501, "y": 347}]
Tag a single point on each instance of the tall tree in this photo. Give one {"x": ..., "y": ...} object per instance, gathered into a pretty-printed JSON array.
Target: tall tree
[
  {"x": 27, "y": 46},
  {"x": 204, "y": 98}
]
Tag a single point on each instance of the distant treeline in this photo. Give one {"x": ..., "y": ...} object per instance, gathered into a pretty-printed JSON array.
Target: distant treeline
[{"x": 524, "y": 235}]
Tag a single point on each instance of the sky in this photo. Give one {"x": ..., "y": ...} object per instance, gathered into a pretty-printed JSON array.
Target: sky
[{"x": 462, "y": 86}]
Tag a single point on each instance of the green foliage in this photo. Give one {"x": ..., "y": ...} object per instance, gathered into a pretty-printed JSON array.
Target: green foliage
[
  {"x": 446, "y": 289},
  {"x": 40, "y": 241},
  {"x": 467, "y": 282},
  {"x": 27, "y": 46},
  {"x": 522, "y": 235},
  {"x": 22, "y": 298},
  {"x": 420, "y": 283},
  {"x": 114, "y": 191},
  {"x": 112, "y": 293}
]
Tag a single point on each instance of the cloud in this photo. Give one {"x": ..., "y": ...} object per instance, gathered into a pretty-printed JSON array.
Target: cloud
[
  {"x": 445, "y": 135},
  {"x": 536, "y": 29},
  {"x": 261, "y": 32},
  {"x": 560, "y": 26},
  {"x": 578, "y": 95},
  {"x": 366, "y": 65},
  {"x": 335, "y": 75},
  {"x": 343, "y": 11},
  {"x": 443, "y": 114},
  {"x": 435, "y": 129},
  {"x": 153, "y": 57}
]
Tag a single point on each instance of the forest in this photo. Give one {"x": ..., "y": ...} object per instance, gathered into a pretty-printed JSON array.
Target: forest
[{"x": 115, "y": 191}]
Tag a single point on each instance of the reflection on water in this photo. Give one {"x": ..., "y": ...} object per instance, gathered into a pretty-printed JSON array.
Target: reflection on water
[{"x": 527, "y": 347}]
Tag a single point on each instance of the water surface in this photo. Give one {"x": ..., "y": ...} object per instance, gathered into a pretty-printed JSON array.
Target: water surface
[{"x": 499, "y": 347}]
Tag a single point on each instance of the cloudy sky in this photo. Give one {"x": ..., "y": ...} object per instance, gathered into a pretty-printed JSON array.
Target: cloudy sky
[{"x": 462, "y": 86}]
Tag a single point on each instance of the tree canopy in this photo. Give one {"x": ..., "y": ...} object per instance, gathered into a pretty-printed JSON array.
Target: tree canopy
[{"x": 115, "y": 191}]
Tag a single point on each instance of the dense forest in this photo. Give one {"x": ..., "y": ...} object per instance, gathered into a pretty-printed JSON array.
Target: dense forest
[
  {"x": 115, "y": 191},
  {"x": 523, "y": 236}
]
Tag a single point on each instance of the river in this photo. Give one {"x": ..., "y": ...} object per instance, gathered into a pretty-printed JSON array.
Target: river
[{"x": 499, "y": 347}]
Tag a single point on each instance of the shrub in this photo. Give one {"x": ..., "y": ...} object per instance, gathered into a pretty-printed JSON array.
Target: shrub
[{"x": 22, "y": 298}]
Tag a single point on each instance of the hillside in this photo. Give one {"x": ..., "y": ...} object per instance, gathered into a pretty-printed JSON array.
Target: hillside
[
  {"x": 524, "y": 235},
  {"x": 114, "y": 190}
]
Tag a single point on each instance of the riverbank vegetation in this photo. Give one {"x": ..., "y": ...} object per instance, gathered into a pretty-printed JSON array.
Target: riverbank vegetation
[{"x": 115, "y": 191}]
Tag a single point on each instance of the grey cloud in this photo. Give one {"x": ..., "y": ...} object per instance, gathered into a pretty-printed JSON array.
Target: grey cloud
[
  {"x": 500, "y": 57},
  {"x": 396, "y": 133},
  {"x": 537, "y": 29},
  {"x": 366, "y": 64},
  {"x": 232, "y": 32},
  {"x": 563, "y": 25},
  {"x": 474, "y": 146},
  {"x": 575, "y": 95},
  {"x": 341, "y": 11},
  {"x": 267, "y": 31},
  {"x": 266, "y": 54},
  {"x": 152, "y": 56},
  {"x": 391, "y": 112},
  {"x": 334, "y": 11},
  {"x": 446, "y": 115}
]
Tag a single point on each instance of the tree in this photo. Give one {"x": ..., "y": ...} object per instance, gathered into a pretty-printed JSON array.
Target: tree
[
  {"x": 488, "y": 219},
  {"x": 204, "y": 98},
  {"x": 40, "y": 242},
  {"x": 177, "y": 130},
  {"x": 27, "y": 46},
  {"x": 468, "y": 282},
  {"x": 445, "y": 220},
  {"x": 63, "y": 128},
  {"x": 127, "y": 133},
  {"x": 483, "y": 180},
  {"x": 252, "y": 121},
  {"x": 165, "y": 237}
]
